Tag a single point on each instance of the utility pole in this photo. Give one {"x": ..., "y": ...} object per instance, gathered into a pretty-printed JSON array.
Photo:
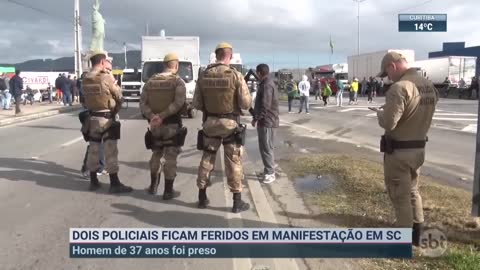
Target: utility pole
[
  {"x": 476, "y": 174},
  {"x": 358, "y": 24},
  {"x": 146, "y": 30},
  {"x": 125, "y": 52},
  {"x": 298, "y": 67},
  {"x": 273, "y": 65},
  {"x": 77, "y": 40}
]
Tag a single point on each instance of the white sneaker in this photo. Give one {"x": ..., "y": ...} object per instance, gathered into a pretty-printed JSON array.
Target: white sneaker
[{"x": 269, "y": 178}]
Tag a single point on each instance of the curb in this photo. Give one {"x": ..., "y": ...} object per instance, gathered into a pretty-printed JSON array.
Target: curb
[{"x": 34, "y": 116}]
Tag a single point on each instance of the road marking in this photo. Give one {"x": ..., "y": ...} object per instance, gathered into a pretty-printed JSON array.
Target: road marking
[
  {"x": 238, "y": 263},
  {"x": 266, "y": 215},
  {"x": 455, "y": 114},
  {"x": 454, "y": 119},
  {"x": 135, "y": 115},
  {"x": 354, "y": 109},
  {"x": 72, "y": 142},
  {"x": 470, "y": 128}
]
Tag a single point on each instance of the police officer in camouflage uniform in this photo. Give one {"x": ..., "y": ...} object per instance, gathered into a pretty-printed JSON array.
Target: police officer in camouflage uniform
[
  {"x": 221, "y": 94},
  {"x": 103, "y": 100},
  {"x": 162, "y": 100},
  {"x": 406, "y": 117}
]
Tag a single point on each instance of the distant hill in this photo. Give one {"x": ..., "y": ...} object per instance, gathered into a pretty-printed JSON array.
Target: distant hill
[{"x": 67, "y": 63}]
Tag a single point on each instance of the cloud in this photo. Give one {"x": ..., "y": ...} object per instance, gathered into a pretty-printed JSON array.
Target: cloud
[{"x": 291, "y": 32}]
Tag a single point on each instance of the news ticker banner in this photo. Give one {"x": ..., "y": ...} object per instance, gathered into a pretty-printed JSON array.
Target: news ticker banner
[
  {"x": 422, "y": 22},
  {"x": 240, "y": 243}
]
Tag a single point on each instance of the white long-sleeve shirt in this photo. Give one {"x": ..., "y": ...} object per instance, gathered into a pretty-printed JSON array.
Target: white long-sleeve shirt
[{"x": 304, "y": 88}]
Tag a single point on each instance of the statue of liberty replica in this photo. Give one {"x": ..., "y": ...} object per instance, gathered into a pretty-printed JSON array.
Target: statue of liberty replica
[{"x": 98, "y": 30}]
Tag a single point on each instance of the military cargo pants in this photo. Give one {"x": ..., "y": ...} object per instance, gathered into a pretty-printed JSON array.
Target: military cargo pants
[
  {"x": 97, "y": 126},
  {"x": 165, "y": 133},
  {"x": 233, "y": 154},
  {"x": 402, "y": 169}
]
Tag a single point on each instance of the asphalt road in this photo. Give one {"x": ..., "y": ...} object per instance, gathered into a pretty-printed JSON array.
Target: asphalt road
[
  {"x": 451, "y": 145},
  {"x": 43, "y": 193}
]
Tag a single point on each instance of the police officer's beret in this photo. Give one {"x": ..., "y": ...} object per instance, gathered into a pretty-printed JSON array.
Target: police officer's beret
[
  {"x": 223, "y": 45},
  {"x": 170, "y": 57}
]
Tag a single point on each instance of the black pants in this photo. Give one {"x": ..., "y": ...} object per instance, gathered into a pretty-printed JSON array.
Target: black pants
[
  {"x": 370, "y": 95},
  {"x": 325, "y": 100},
  {"x": 17, "y": 105},
  {"x": 290, "y": 101}
]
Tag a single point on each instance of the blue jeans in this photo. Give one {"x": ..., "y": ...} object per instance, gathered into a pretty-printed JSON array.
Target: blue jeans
[
  {"x": 67, "y": 99},
  {"x": 304, "y": 100},
  {"x": 6, "y": 99},
  {"x": 101, "y": 161}
]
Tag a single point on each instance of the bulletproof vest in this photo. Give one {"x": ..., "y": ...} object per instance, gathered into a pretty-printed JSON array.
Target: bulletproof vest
[
  {"x": 161, "y": 92},
  {"x": 96, "y": 92},
  {"x": 218, "y": 90}
]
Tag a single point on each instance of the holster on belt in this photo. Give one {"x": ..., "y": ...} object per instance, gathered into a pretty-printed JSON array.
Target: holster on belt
[
  {"x": 84, "y": 120},
  {"x": 387, "y": 145}
]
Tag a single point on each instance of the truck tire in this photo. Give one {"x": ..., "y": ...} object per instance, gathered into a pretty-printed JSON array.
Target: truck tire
[{"x": 191, "y": 113}]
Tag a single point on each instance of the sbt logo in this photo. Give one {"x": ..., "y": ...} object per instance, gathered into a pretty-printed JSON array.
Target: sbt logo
[{"x": 433, "y": 243}]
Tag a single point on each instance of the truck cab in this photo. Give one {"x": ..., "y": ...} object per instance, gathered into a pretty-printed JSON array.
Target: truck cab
[{"x": 131, "y": 84}]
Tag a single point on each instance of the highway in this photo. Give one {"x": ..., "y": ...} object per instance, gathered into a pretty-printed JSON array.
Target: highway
[{"x": 43, "y": 193}]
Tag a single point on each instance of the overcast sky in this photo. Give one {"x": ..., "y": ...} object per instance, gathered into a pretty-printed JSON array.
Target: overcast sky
[{"x": 289, "y": 31}]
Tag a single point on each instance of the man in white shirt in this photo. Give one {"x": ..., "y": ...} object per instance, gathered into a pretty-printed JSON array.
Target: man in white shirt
[{"x": 304, "y": 90}]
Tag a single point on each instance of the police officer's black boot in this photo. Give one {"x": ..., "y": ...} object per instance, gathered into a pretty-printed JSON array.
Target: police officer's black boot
[
  {"x": 416, "y": 233},
  {"x": 154, "y": 182},
  {"x": 238, "y": 204},
  {"x": 168, "y": 192},
  {"x": 116, "y": 186},
  {"x": 202, "y": 198},
  {"x": 94, "y": 183}
]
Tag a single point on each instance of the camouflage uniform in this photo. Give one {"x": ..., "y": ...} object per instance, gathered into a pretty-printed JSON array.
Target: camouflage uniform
[
  {"x": 406, "y": 118},
  {"x": 164, "y": 95},
  {"x": 103, "y": 99},
  {"x": 217, "y": 128}
]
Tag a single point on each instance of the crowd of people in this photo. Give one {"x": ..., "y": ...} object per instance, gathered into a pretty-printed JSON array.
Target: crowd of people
[
  {"x": 65, "y": 91},
  {"x": 323, "y": 89}
]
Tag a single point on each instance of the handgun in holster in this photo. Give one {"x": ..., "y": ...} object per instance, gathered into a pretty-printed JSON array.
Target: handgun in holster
[
  {"x": 240, "y": 134},
  {"x": 386, "y": 144},
  {"x": 83, "y": 117},
  {"x": 114, "y": 130},
  {"x": 200, "y": 141},
  {"x": 180, "y": 136},
  {"x": 148, "y": 139}
]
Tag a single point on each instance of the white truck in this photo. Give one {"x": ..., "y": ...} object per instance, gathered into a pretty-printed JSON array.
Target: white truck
[
  {"x": 131, "y": 83},
  {"x": 368, "y": 64},
  {"x": 154, "y": 49},
  {"x": 236, "y": 62},
  {"x": 452, "y": 67},
  {"x": 39, "y": 82}
]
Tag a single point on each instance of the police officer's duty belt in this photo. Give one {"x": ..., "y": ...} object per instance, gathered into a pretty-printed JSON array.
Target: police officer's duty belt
[
  {"x": 230, "y": 116},
  {"x": 108, "y": 115},
  {"x": 408, "y": 144}
]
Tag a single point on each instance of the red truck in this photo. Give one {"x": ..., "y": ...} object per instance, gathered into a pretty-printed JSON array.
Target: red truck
[{"x": 321, "y": 75}]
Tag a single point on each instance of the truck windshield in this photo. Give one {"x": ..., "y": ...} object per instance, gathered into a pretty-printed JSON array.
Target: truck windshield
[
  {"x": 131, "y": 77},
  {"x": 328, "y": 75},
  {"x": 238, "y": 67},
  {"x": 151, "y": 68},
  {"x": 341, "y": 76}
]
